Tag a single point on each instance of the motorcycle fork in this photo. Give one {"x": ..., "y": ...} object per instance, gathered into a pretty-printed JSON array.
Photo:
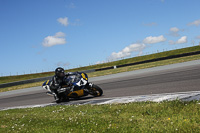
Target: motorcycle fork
[{"x": 89, "y": 85}]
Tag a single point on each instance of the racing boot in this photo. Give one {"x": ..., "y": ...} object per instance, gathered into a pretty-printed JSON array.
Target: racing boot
[{"x": 55, "y": 97}]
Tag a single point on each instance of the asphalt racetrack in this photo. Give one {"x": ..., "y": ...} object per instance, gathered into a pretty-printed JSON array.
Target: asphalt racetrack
[{"x": 181, "y": 77}]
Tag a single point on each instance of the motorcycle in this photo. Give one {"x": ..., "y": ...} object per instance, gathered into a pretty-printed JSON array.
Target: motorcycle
[{"x": 79, "y": 87}]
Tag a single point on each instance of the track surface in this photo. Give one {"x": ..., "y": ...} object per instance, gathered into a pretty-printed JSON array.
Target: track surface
[{"x": 180, "y": 77}]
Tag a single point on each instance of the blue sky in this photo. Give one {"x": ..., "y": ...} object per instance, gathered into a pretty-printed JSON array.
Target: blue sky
[{"x": 40, "y": 35}]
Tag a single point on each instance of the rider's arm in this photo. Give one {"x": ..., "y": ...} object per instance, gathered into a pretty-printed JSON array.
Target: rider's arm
[
  {"x": 71, "y": 73},
  {"x": 54, "y": 84}
]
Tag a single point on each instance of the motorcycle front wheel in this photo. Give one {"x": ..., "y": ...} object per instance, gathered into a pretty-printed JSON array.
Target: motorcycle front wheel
[
  {"x": 96, "y": 91},
  {"x": 62, "y": 97}
]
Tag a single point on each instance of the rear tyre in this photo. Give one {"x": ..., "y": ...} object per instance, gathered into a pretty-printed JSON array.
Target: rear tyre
[{"x": 96, "y": 91}]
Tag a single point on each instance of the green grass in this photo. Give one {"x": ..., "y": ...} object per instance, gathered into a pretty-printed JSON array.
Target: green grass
[
  {"x": 8, "y": 79},
  {"x": 167, "y": 116}
]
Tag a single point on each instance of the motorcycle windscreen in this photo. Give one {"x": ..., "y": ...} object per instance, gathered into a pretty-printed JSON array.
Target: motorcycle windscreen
[{"x": 73, "y": 78}]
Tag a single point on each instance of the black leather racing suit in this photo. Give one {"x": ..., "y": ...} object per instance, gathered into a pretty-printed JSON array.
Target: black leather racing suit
[{"x": 57, "y": 82}]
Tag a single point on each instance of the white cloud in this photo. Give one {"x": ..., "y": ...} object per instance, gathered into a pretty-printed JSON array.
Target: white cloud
[
  {"x": 198, "y": 37},
  {"x": 72, "y": 5},
  {"x": 150, "y": 24},
  {"x": 77, "y": 22},
  {"x": 63, "y": 64},
  {"x": 174, "y": 29},
  {"x": 151, "y": 40},
  {"x": 100, "y": 62},
  {"x": 171, "y": 42},
  {"x": 64, "y": 21},
  {"x": 183, "y": 39},
  {"x": 196, "y": 23},
  {"x": 57, "y": 39},
  {"x": 127, "y": 51},
  {"x": 60, "y": 34}
]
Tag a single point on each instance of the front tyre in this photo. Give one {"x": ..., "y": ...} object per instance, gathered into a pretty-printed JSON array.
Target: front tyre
[
  {"x": 96, "y": 91},
  {"x": 62, "y": 97}
]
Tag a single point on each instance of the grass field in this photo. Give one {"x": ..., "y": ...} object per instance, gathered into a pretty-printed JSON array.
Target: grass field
[{"x": 167, "y": 116}]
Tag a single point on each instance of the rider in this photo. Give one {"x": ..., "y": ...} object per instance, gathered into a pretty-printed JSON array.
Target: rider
[{"x": 58, "y": 80}]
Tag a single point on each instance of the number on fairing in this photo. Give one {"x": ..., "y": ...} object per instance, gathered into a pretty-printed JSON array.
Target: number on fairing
[{"x": 82, "y": 82}]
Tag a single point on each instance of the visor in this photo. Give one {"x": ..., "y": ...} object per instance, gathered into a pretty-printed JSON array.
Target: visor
[{"x": 61, "y": 74}]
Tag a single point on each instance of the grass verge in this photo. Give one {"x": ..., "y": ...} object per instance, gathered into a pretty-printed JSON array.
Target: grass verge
[
  {"x": 17, "y": 87},
  {"x": 167, "y": 116},
  {"x": 144, "y": 66}
]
